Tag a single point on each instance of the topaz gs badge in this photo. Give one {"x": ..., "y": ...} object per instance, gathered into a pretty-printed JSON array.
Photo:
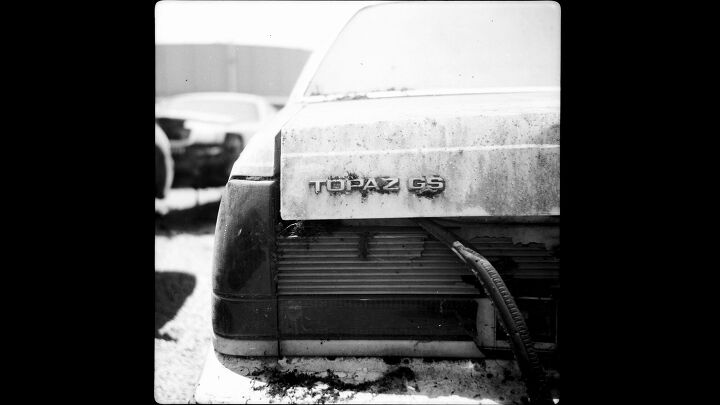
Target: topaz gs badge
[{"x": 422, "y": 186}]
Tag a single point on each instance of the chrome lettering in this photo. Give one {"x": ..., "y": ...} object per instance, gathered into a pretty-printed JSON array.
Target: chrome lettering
[
  {"x": 368, "y": 186},
  {"x": 392, "y": 184},
  {"x": 416, "y": 183},
  {"x": 318, "y": 185},
  {"x": 335, "y": 189},
  {"x": 436, "y": 183}
]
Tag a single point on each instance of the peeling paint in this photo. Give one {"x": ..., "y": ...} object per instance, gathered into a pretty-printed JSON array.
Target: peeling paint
[{"x": 498, "y": 159}]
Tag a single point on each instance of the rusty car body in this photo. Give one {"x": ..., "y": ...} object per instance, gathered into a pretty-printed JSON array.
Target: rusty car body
[{"x": 442, "y": 111}]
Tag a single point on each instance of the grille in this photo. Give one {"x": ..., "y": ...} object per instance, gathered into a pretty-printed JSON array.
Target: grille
[
  {"x": 173, "y": 128},
  {"x": 404, "y": 261}
]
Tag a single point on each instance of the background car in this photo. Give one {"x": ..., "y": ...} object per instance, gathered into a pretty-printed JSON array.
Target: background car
[
  {"x": 208, "y": 131},
  {"x": 163, "y": 164}
]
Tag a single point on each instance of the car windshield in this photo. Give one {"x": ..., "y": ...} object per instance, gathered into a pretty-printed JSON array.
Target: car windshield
[
  {"x": 443, "y": 46},
  {"x": 230, "y": 110}
]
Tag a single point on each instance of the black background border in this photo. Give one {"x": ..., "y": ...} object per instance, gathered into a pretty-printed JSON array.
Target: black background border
[{"x": 89, "y": 262}]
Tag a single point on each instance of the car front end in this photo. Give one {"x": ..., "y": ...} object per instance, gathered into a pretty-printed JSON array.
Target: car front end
[{"x": 208, "y": 131}]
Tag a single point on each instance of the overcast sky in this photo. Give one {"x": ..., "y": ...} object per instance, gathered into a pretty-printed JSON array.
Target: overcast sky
[{"x": 295, "y": 24}]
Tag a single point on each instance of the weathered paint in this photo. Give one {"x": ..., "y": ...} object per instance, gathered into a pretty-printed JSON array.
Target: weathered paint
[{"x": 499, "y": 155}]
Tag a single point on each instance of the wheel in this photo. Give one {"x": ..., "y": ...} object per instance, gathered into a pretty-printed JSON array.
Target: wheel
[
  {"x": 163, "y": 164},
  {"x": 163, "y": 173}
]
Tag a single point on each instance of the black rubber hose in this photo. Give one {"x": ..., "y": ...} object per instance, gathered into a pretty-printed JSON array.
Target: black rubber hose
[{"x": 511, "y": 318}]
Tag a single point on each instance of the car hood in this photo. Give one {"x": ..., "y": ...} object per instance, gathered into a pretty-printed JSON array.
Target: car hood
[
  {"x": 496, "y": 154},
  {"x": 210, "y": 118}
]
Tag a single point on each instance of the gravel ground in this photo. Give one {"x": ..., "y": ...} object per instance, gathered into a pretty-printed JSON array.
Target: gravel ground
[
  {"x": 358, "y": 380},
  {"x": 183, "y": 266}
]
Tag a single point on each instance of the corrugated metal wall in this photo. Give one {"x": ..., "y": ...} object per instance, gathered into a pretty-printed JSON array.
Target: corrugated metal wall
[{"x": 266, "y": 71}]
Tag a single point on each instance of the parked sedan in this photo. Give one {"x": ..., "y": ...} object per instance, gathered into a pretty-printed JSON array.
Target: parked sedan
[
  {"x": 415, "y": 166},
  {"x": 207, "y": 131}
]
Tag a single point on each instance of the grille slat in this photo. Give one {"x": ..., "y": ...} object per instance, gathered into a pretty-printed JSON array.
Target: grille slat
[
  {"x": 372, "y": 291},
  {"x": 361, "y": 273},
  {"x": 365, "y": 263},
  {"x": 372, "y": 278},
  {"x": 174, "y": 128},
  {"x": 402, "y": 253},
  {"x": 356, "y": 286}
]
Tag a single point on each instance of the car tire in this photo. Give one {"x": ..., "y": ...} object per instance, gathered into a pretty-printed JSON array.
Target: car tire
[{"x": 163, "y": 172}]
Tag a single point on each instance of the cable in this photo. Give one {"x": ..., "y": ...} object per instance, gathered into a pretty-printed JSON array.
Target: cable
[{"x": 511, "y": 318}]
